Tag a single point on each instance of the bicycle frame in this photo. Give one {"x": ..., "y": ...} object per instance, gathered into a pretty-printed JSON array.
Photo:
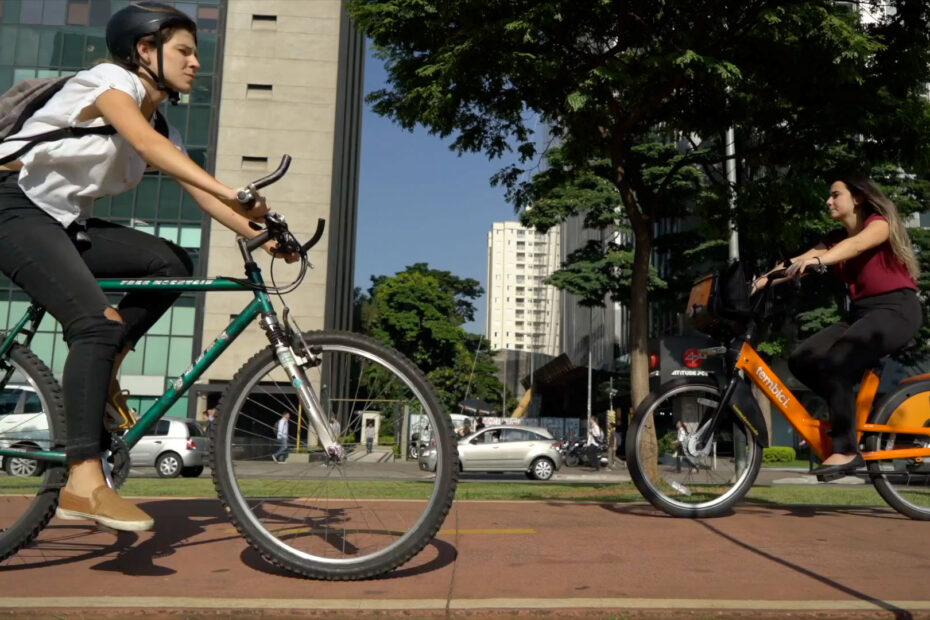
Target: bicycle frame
[
  {"x": 815, "y": 431},
  {"x": 259, "y": 306}
]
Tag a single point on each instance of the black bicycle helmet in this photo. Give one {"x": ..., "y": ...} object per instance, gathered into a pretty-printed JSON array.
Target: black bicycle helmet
[{"x": 142, "y": 19}]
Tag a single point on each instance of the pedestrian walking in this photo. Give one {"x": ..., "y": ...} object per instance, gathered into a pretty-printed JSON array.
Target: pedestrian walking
[
  {"x": 281, "y": 434},
  {"x": 593, "y": 445},
  {"x": 369, "y": 436}
]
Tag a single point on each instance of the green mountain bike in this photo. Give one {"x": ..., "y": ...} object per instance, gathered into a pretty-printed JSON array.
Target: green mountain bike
[{"x": 331, "y": 512}]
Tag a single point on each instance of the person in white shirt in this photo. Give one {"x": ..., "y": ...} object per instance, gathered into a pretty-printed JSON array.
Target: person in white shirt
[
  {"x": 281, "y": 434},
  {"x": 681, "y": 438},
  {"x": 593, "y": 445},
  {"x": 52, "y": 249},
  {"x": 335, "y": 427}
]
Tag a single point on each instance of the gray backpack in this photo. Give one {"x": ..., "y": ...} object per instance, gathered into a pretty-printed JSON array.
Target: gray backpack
[{"x": 24, "y": 99}]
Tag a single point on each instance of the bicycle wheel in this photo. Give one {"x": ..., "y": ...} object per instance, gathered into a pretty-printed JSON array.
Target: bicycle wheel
[
  {"x": 32, "y": 416},
  {"x": 353, "y": 520},
  {"x": 903, "y": 482},
  {"x": 692, "y": 483}
]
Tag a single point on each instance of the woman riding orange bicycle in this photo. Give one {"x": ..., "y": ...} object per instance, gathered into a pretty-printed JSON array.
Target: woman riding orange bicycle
[
  {"x": 726, "y": 427},
  {"x": 872, "y": 254}
]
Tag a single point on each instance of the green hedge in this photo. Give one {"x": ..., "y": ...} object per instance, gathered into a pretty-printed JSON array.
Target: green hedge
[
  {"x": 667, "y": 443},
  {"x": 778, "y": 454}
]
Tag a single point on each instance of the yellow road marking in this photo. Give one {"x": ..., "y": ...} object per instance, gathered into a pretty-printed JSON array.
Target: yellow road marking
[
  {"x": 489, "y": 531},
  {"x": 309, "y": 530}
]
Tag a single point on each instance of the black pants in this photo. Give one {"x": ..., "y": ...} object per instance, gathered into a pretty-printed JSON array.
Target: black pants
[
  {"x": 40, "y": 256},
  {"x": 832, "y": 361},
  {"x": 594, "y": 457}
]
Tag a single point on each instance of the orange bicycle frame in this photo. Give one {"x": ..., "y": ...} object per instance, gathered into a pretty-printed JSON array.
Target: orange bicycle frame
[{"x": 907, "y": 419}]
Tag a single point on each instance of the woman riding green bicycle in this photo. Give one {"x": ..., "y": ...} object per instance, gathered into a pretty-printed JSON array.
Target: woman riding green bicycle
[{"x": 53, "y": 250}]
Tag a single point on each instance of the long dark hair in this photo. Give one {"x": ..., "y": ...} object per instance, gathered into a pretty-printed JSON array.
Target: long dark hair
[{"x": 871, "y": 198}]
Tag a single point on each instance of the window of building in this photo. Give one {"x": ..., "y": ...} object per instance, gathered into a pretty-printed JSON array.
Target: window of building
[{"x": 78, "y": 12}]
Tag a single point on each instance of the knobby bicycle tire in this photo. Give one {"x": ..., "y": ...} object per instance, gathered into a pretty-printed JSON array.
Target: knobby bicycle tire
[
  {"x": 28, "y": 504},
  {"x": 693, "y": 484},
  {"x": 355, "y": 520}
]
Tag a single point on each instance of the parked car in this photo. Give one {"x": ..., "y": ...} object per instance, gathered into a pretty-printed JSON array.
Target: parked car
[
  {"x": 529, "y": 449},
  {"x": 174, "y": 447},
  {"x": 22, "y": 426}
]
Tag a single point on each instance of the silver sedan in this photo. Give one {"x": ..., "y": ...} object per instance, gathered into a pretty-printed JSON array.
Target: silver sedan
[{"x": 529, "y": 449}]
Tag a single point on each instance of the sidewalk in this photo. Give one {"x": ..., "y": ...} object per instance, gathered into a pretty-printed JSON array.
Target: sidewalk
[{"x": 500, "y": 559}]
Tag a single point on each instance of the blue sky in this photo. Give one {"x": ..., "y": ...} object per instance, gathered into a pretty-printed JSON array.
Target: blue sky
[{"x": 421, "y": 202}]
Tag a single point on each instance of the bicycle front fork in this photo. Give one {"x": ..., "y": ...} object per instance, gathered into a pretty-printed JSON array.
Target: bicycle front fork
[{"x": 293, "y": 366}]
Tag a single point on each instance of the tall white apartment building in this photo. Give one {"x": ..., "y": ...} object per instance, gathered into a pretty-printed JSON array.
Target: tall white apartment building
[{"x": 523, "y": 313}]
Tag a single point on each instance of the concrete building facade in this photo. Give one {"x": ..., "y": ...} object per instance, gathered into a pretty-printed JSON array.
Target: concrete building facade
[{"x": 523, "y": 313}]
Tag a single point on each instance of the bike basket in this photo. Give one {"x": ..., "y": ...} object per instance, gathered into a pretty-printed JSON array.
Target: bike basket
[
  {"x": 719, "y": 303},
  {"x": 701, "y": 302}
]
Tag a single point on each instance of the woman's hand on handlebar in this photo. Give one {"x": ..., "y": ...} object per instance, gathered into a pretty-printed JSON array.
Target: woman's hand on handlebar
[
  {"x": 256, "y": 213},
  {"x": 289, "y": 256},
  {"x": 797, "y": 268}
]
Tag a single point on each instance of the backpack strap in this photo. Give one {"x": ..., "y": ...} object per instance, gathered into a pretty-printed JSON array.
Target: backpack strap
[
  {"x": 56, "y": 134},
  {"x": 161, "y": 124}
]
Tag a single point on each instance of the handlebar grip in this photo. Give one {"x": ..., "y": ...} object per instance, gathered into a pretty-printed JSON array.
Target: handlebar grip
[
  {"x": 246, "y": 198},
  {"x": 320, "y": 227},
  {"x": 274, "y": 176}
]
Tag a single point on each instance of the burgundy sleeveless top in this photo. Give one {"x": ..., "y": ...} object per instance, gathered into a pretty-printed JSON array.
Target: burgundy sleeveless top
[{"x": 875, "y": 271}]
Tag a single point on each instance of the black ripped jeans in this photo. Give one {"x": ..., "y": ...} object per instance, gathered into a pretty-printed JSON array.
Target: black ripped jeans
[
  {"x": 40, "y": 256},
  {"x": 833, "y": 361}
]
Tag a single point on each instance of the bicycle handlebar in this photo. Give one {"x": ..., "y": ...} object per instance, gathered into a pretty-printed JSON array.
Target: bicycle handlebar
[
  {"x": 246, "y": 196},
  {"x": 275, "y": 225}
]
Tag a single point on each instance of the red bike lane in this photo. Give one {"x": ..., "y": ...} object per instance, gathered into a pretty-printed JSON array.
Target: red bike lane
[{"x": 498, "y": 559}]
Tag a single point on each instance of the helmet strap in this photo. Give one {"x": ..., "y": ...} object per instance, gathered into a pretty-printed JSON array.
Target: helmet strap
[
  {"x": 159, "y": 79},
  {"x": 173, "y": 95}
]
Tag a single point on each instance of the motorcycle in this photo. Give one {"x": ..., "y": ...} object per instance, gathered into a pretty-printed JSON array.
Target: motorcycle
[{"x": 575, "y": 452}]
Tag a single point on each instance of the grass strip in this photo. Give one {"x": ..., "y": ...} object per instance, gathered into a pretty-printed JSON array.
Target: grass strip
[{"x": 814, "y": 495}]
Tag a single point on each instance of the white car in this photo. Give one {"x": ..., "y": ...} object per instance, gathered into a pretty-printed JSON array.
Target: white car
[
  {"x": 174, "y": 447},
  {"x": 529, "y": 449},
  {"x": 22, "y": 425}
]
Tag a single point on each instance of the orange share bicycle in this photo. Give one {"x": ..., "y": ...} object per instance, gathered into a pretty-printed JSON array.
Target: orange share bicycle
[{"x": 726, "y": 431}]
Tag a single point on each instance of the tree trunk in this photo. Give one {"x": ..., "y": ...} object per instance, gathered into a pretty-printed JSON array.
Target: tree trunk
[{"x": 639, "y": 340}]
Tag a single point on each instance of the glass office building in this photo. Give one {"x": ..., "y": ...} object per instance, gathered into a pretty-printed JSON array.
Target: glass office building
[{"x": 43, "y": 38}]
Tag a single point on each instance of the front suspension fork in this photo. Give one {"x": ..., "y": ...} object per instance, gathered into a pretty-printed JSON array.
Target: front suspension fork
[{"x": 293, "y": 366}]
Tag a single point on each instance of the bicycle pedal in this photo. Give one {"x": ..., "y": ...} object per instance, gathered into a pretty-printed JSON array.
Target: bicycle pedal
[{"x": 831, "y": 477}]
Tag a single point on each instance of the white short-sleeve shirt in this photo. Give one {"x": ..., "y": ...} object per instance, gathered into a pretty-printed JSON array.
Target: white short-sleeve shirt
[{"x": 64, "y": 177}]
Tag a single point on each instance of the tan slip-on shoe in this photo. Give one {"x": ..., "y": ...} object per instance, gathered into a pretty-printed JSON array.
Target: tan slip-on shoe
[{"x": 106, "y": 508}]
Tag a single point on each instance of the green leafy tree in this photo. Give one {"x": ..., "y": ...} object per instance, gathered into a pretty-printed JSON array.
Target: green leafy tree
[{"x": 420, "y": 312}]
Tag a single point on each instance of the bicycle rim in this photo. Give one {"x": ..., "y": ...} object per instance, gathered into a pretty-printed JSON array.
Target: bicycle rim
[
  {"x": 356, "y": 519},
  {"x": 691, "y": 483},
  {"x": 31, "y": 417},
  {"x": 904, "y": 482}
]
